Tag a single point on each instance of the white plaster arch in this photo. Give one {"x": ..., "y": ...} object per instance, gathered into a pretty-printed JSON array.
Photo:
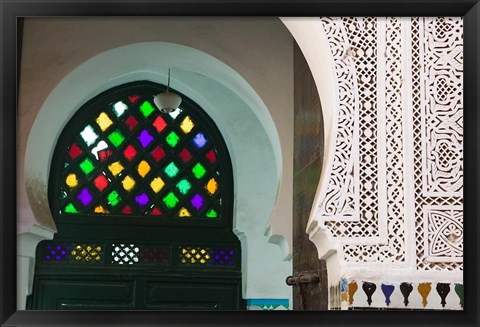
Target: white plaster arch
[
  {"x": 310, "y": 36},
  {"x": 227, "y": 97}
]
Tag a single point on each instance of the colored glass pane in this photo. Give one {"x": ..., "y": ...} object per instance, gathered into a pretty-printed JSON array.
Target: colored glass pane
[
  {"x": 130, "y": 152},
  {"x": 146, "y": 109},
  {"x": 70, "y": 208},
  {"x": 172, "y": 139},
  {"x": 194, "y": 255},
  {"x": 74, "y": 151},
  {"x": 171, "y": 170},
  {"x": 127, "y": 210},
  {"x": 88, "y": 135},
  {"x": 131, "y": 123},
  {"x": 103, "y": 121},
  {"x": 102, "y": 145},
  {"x": 158, "y": 153},
  {"x": 142, "y": 199},
  {"x": 174, "y": 114},
  {"x": 128, "y": 183},
  {"x": 184, "y": 186},
  {"x": 143, "y": 168},
  {"x": 198, "y": 170},
  {"x": 145, "y": 138},
  {"x": 187, "y": 125},
  {"x": 87, "y": 252},
  {"x": 199, "y": 140},
  {"x": 212, "y": 186},
  {"x": 103, "y": 155},
  {"x": 211, "y": 214},
  {"x": 222, "y": 256},
  {"x": 157, "y": 184},
  {"x": 115, "y": 168},
  {"x": 85, "y": 197},
  {"x": 100, "y": 209},
  {"x": 184, "y": 213},
  {"x": 117, "y": 138},
  {"x": 71, "y": 180},
  {"x": 211, "y": 156},
  {"x": 57, "y": 252},
  {"x": 101, "y": 182},
  {"x": 155, "y": 211},
  {"x": 87, "y": 166},
  {"x": 159, "y": 124},
  {"x": 170, "y": 200},
  {"x": 133, "y": 98},
  {"x": 114, "y": 198},
  {"x": 197, "y": 201},
  {"x": 185, "y": 155},
  {"x": 119, "y": 108}
]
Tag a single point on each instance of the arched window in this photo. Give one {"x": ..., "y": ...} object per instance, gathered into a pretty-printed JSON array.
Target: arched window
[{"x": 133, "y": 187}]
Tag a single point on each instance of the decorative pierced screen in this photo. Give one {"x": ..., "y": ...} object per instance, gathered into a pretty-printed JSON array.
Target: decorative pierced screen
[
  {"x": 207, "y": 256},
  {"x": 398, "y": 163},
  {"x": 128, "y": 159}
]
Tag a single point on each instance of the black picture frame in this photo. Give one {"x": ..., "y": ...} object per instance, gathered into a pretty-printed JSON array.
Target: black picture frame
[{"x": 11, "y": 9}]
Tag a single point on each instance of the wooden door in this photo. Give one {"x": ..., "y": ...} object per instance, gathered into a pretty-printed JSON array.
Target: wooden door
[{"x": 309, "y": 280}]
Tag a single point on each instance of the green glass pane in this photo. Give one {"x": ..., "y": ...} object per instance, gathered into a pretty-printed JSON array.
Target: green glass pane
[
  {"x": 170, "y": 200},
  {"x": 114, "y": 198},
  {"x": 184, "y": 186},
  {"x": 87, "y": 166},
  {"x": 212, "y": 214},
  {"x": 171, "y": 170},
  {"x": 70, "y": 208},
  {"x": 116, "y": 138},
  {"x": 198, "y": 170},
  {"x": 146, "y": 109},
  {"x": 172, "y": 139}
]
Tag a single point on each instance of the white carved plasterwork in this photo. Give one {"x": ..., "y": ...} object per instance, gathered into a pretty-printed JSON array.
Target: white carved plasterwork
[
  {"x": 341, "y": 201},
  {"x": 442, "y": 106},
  {"x": 437, "y": 63},
  {"x": 443, "y": 233},
  {"x": 401, "y": 80}
]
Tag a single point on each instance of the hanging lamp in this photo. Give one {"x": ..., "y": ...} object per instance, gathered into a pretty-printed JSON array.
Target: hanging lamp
[{"x": 167, "y": 101}]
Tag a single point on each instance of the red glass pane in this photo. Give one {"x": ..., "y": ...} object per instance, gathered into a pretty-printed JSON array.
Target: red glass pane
[
  {"x": 158, "y": 153},
  {"x": 155, "y": 212},
  {"x": 131, "y": 122},
  {"x": 211, "y": 156},
  {"x": 74, "y": 151},
  {"x": 159, "y": 124},
  {"x": 133, "y": 98},
  {"x": 130, "y": 152},
  {"x": 103, "y": 155},
  {"x": 101, "y": 182},
  {"x": 185, "y": 155},
  {"x": 127, "y": 210}
]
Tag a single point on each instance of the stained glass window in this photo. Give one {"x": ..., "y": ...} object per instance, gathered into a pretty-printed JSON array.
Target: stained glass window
[{"x": 126, "y": 158}]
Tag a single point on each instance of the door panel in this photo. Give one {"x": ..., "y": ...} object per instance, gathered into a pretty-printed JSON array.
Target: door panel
[{"x": 308, "y": 156}]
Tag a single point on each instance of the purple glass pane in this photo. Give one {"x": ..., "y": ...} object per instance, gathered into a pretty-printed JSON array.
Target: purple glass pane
[
  {"x": 85, "y": 197},
  {"x": 142, "y": 199},
  {"x": 59, "y": 252},
  {"x": 199, "y": 140},
  {"x": 197, "y": 201},
  {"x": 221, "y": 257},
  {"x": 145, "y": 138}
]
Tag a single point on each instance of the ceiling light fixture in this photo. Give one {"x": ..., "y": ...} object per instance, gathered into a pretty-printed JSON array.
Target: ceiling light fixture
[{"x": 167, "y": 101}]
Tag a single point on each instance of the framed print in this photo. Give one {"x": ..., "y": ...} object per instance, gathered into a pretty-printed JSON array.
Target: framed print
[{"x": 219, "y": 162}]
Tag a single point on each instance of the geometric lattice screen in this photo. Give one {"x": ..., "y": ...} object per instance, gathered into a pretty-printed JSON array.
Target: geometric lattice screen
[{"x": 129, "y": 159}]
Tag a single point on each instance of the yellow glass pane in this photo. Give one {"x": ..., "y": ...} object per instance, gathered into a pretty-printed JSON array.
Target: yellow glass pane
[
  {"x": 187, "y": 125},
  {"x": 143, "y": 168},
  {"x": 71, "y": 180},
  {"x": 128, "y": 183},
  {"x": 212, "y": 186},
  {"x": 115, "y": 168},
  {"x": 100, "y": 209},
  {"x": 184, "y": 213},
  {"x": 157, "y": 184},
  {"x": 103, "y": 121}
]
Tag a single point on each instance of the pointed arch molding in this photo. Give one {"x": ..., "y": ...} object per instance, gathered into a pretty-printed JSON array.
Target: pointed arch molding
[{"x": 239, "y": 112}]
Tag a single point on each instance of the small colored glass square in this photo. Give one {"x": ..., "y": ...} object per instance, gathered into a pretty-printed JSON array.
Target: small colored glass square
[
  {"x": 74, "y": 151},
  {"x": 87, "y": 166},
  {"x": 85, "y": 197},
  {"x": 187, "y": 125},
  {"x": 172, "y": 139},
  {"x": 199, "y": 140},
  {"x": 157, "y": 184},
  {"x": 116, "y": 138},
  {"x": 184, "y": 186},
  {"x": 103, "y": 121},
  {"x": 101, "y": 182},
  {"x": 142, "y": 199},
  {"x": 131, "y": 123},
  {"x": 133, "y": 98},
  {"x": 158, "y": 154},
  {"x": 143, "y": 168},
  {"x": 115, "y": 168},
  {"x": 146, "y": 109},
  {"x": 211, "y": 156},
  {"x": 128, "y": 183},
  {"x": 198, "y": 171},
  {"x": 170, "y": 200},
  {"x": 114, "y": 198},
  {"x": 145, "y": 138},
  {"x": 159, "y": 124},
  {"x": 130, "y": 152},
  {"x": 197, "y": 201},
  {"x": 171, "y": 170},
  {"x": 88, "y": 135},
  {"x": 119, "y": 108},
  {"x": 185, "y": 155}
]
